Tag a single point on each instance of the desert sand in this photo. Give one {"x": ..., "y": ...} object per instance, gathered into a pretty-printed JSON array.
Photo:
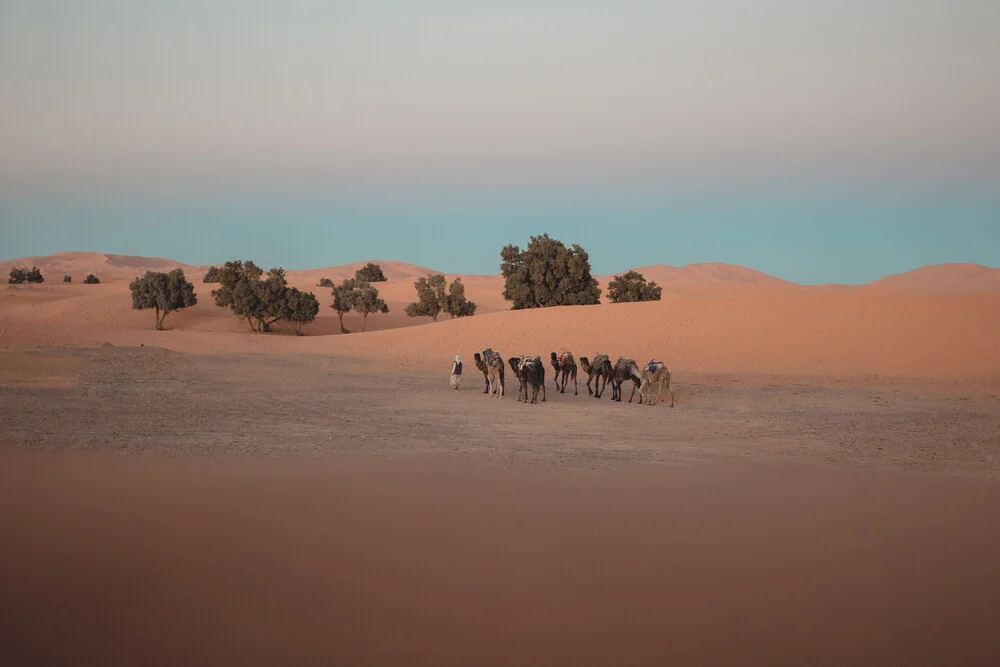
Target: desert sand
[{"x": 824, "y": 491}]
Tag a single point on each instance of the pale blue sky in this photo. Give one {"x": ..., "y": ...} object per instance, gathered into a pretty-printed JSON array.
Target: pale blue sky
[{"x": 298, "y": 119}]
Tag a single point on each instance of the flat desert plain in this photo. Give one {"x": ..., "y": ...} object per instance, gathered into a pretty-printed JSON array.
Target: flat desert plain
[{"x": 824, "y": 491}]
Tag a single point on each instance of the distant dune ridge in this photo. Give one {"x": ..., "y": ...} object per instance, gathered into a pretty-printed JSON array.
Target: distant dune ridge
[{"x": 937, "y": 321}]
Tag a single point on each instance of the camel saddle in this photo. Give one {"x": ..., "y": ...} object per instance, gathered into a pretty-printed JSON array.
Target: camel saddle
[
  {"x": 653, "y": 366},
  {"x": 624, "y": 363},
  {"x": 600, "y": 359}
]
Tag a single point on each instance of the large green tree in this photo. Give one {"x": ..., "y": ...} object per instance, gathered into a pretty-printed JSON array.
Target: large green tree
[
  {"x": 162, "y": 292},
  {"x": 370, "y": 273},
  {"x": 432, "y": 297},
  {"x": 632, "y": 286},
  {"x": 547, "y": 273},
  {"x": 342, "y": 300},
  {"x": 301, "y": 308},
  {"x": 458, "y": 305},
  {"x": 365, "y": 300}
]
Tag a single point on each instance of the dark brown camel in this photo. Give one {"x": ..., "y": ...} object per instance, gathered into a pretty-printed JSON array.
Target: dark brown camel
[
  {"x": 515, "y": 367},
  {"x": 565, "y": 365},
  {"x": 600, "y": 370},
  {"x": 625, "y": 369},
  {"x": 531, "y": 371}
]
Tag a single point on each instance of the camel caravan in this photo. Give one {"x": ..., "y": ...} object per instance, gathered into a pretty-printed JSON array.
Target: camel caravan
[{"x": 649, "y": 381}]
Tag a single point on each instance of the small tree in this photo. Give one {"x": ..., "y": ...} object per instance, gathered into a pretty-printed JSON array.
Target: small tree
[
  {"x": 21, "y": 276},
  {"x": 91, "y": 279},
  {"x": 67, "y": 278},
  {"x": 547, "y": 273},
  {"x": 325, "y": 282},
  {"x": 631, "y": 287},
  {"x": 457, "y": 304},
  {"x": 213, "y": 275},
  {"x": 301, "y": 308},
  {"x": 431, "y": 297},
  {"x": 342, "y": 303},
  {"x": 365, "y": 300},
  {"x": 163, "y": 292},
  {"x": 370, "y": 273}
]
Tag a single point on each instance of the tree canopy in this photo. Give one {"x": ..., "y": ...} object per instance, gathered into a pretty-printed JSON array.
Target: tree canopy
[
  {"x": 21, "y": 276},
  {"x": 370, "y": 273},
  {"x": 325, "y": 282},
  {"x": 433, "y": 299},
  {"x": 458, "y": 305},
  {"x": 67, "y": 278},
  {"x": 631, "y": 287},
  {"x": 357, "y": 295},
  {"x": 547, "y": 273},
  {"x": 261, "y": 299},
  {"x": 91, "y": 279},
  {"x": 162, "y": 292},
  {"x": 213, "y": 275}
]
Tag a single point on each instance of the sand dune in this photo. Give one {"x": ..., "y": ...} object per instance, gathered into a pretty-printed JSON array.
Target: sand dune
[
  {"x": 727, "y": 319},
  {"x": 944, "y": 278}
]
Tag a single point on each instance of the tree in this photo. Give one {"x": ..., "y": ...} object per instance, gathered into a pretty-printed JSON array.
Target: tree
[
  {"x": 163, "y": 292},
  {"x": 21, "y": 276},
  {"x": 370, "y": 273},
  {"x": 431, "y": 297},
  {"x": 457, "y": 304},
  {"x": 67, "y": 278},
  {"x": 213, "y": 275},
  {"x": 342, "y": 300},
  {"x": 302, "y": 308},
  {"x": 366, "y": 301},
  {"x": 631, "y": 287},
  {"x": 91, "y": 279},
  {"x": 547, "y": 273},
  {"x": 325, "y": 282}
]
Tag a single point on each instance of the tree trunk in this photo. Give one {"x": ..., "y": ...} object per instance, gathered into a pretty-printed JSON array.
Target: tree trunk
[
  {"x": 364, "y": 319},
  {"x": 158, "y": 326},
  {"x": 341, "y": 316}
]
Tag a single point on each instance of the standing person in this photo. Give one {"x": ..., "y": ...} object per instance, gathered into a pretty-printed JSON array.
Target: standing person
[{"x": 456, "y": 371}]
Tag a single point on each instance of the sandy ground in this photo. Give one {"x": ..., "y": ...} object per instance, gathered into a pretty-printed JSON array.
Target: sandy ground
[{"x": 824, "y": 491}]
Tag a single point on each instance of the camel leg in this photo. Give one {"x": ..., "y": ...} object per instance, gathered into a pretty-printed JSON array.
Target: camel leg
[
  {"x": 543, "y": 389},
  {"x": 589, "y": 378},
  {"x": 576, "y": 387},
  {"x": 634, "y": 387}
]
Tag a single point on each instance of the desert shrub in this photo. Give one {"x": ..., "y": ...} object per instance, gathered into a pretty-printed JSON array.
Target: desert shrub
[
  {"x": 631, "y": 287},
  {"x": 162, "y": 292},
  {"x": 325, "y": 282},
  {"x": 262, "y": 299},
  {"x": 212, "y": 276},
  {"x": 67, "y": 278},
  {"x": 547, "y": 273},
  {"x": 458, "y": 305},
  {"x": 20, "y": 276},
  {"x": 91, "y": 279},
  {"x": 359, "y": 296},
  {"x": 301, "y": 308},
  {"x": 370, "y": 273},
  {"x": 432, "y": 299}
]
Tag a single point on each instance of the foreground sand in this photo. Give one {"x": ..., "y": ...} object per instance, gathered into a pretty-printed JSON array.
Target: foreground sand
[{"x": 360, "y": 562}]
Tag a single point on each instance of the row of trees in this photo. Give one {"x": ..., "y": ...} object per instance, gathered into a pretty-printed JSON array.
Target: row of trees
[
  {"x": 20, "y": 276},
  {"x": 547, "y": 273}
]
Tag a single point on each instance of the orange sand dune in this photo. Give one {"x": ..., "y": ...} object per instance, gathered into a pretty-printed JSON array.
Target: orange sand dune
[
  {"x": 743, "y": 322},
  {"x": 944, "y": 278}
]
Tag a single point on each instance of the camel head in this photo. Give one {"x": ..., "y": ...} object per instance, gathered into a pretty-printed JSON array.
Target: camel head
[
  {"x": 514, "y": 364},
  {"x": 478, "y": 358}
]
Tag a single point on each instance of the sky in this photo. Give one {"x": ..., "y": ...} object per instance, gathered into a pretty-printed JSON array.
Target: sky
[{"x": 817, "y": 141}]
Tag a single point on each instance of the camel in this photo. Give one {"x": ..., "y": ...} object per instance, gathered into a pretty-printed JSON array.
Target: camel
[
  {"x": 655, "y": 372},
  {"x": 565, "y": 365},
  {"x": 600, "y": 369},
  {"x": 531, "y": 371},
  {"x": 515, "y": 367},
  {"x": 625, "y": 369},
  {"x": 491, "y": 364}
]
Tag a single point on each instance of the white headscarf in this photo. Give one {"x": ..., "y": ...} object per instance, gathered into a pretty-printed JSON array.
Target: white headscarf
[{"x": 458, "y": 358}]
